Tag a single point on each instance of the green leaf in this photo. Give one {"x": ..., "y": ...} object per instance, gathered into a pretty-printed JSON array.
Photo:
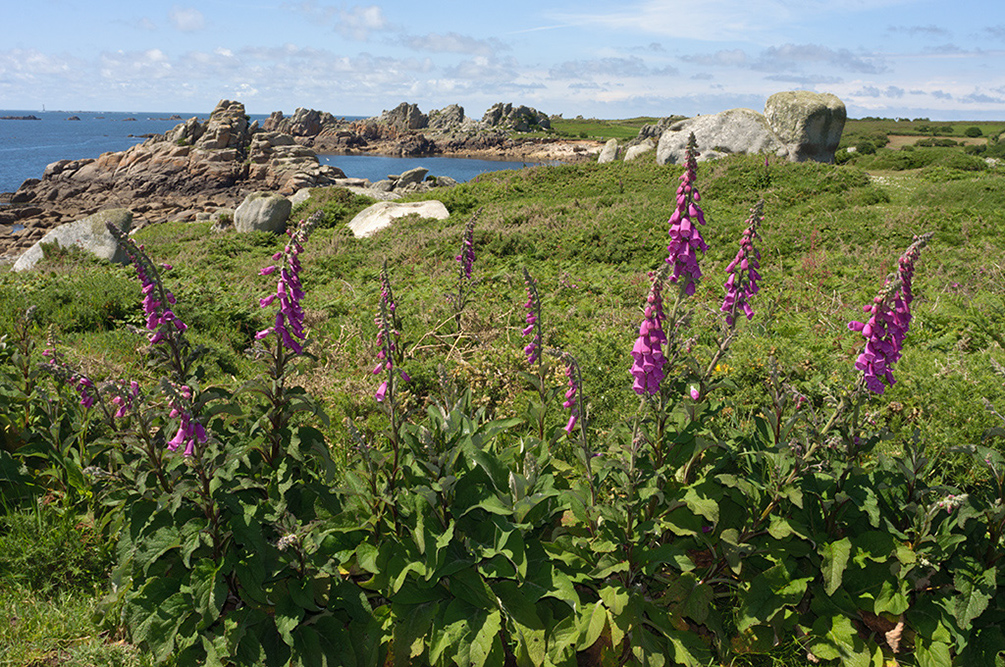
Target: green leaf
[
  {"x": 469, "y": 586},
  {"x": 413, "y": 624},
  {"x": 486, "y": 647},
  {"x": 975, "y": 590},
  {"x": 933, "y": 654},
  {"x": 591, "y": 625},
  {"x": 288, "y": 614},
  {"x": 835, "y": 557},
  {"x": 984, "y": 648},
  {"x": 209, "y": 589},
  {"x": 701, "y": 505},
  {"x": 769, "y": 593}
]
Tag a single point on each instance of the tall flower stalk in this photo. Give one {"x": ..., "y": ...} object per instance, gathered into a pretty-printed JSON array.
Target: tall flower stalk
[
  {"x": 288, "y": 327},
  {"x": 465, "y": 267},
  {"x": 741, "y": 284},
  {"x": 889, "y": 320},
  {"x": 685, "y": 238},
  {"x": 167, "y": 331}
]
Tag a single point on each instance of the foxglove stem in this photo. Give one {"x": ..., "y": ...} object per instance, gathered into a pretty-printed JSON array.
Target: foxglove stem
[
  {"x": 467, "y": 256},
  {"x": 533, "y": 320},
  {"x": 576, "y": 403},
  {"x": 685, "y": 238},
  {"x": 890, "y": 318},
  {"x": 741, "y": 284}
]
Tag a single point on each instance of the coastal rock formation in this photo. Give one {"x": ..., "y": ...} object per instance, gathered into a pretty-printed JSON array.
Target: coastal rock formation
[
  {"x": 732, "y": 131},
  {"x": 518, "y": 119},
  {"x": 404, "y": 117},
  {"x": 448, "y": 118},
  {"x": 379, "y": 216},
  {"x": 263, "y": 212},
  {"x": 196, "y": 168},
  {"x": 90, "y": 234},
  {"x": 810, "y": 124}
]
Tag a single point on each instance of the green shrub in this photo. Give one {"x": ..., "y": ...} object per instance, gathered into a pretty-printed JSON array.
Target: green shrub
[{"x": 973, "y": 131}]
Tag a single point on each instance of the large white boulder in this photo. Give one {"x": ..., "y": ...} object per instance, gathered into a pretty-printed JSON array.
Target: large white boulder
[
  {"x": 809, "y": 123},
  {"x": 375, "y": 218},
  {"x": 732, "y": 131},
  {"x": 262, "y": 212},
  {"x": 637, "y": 150},
  {"x": 88, "y": 234}
]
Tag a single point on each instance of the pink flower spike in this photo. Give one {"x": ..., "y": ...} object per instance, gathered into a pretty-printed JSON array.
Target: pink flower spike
[{"x": 381, "y": 392}]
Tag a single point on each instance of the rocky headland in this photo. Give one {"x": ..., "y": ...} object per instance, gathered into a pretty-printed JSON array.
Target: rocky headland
[{"x": 204, "y": 167}]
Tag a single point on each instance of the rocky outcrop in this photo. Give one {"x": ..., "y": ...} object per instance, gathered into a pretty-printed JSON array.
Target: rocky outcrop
[
  {"x": 732, "y": 131},
  {"x": 448, "y": 118},
  {"x": 519, "y": 119},
  {"x": 379, "y": 216},
  {"x": 810, "y": 124},
  {"x": 634, "y": 152},
  {"x": 90, "y": 234},
  {"x": 262, "y": 212},
  {"x": 404, "y": 117},
  {"x": 609, "y": 153}
]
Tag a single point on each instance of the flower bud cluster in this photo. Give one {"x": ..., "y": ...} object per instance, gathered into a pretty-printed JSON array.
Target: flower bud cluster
[
  {"x": 124, "y": 399},
  {"x": 685, "y": 239},
  {"x": 387, "y": 336},
  {"x": 743, "y": 276},
  {"x": 572, "y": 398},
  {"x": 647, "y": 368},
  {"x": 533, "y": 319},
  {"x": 467, "y": 256}
]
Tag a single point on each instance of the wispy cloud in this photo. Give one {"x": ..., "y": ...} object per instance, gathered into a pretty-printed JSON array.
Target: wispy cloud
[
  {"x": 930, "y": 30},
  {"x": 453, "y": 42},
  {"x": 358, "y": 22},
  {"x": 792, "y": 56},
  {"x": 186, "y": 19}
]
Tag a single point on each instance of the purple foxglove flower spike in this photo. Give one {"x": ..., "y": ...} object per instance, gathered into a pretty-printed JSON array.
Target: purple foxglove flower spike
[
  {"x": 890, "y": 318},
  {"x": 685, "y": 239},
  {"x": 533, "y": 319},
  {"x": 190, "y": 431},
  {"x": 161, "y": 320},
  {"x": 647, "y": 354},
  {"x": 574, "y": 394},
  {"x": 743, "y": 275},
  {"x": 387, "y": 338},
  {"x": 467, "y": 256},
  {"x": 289, "y": 320}
]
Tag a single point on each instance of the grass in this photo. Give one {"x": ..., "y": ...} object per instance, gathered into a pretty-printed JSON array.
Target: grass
[{"x": 589, "y": 234}]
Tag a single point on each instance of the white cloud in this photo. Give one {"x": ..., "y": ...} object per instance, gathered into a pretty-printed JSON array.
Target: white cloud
[
  {"x": 358, "y": 22},
  {"x": 453, "y": 42},
  {"x": 187, "y": 19}
]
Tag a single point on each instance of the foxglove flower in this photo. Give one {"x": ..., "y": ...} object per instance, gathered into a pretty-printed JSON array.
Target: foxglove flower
[
  {"x": 157, "y": 301},
  {"x": 387, "y": 337},
  {"x": 890, "y": 317},
  {"x": 190, "y": 430},
  {"x": 124, "y": 399},
  {"x": 533, "y": 319},
  {"x": 743, "y": 275},
  {"x": 573, "y": 395},
  {"x": 289, "y": 321},
  {"x": 467, "y": 256},
  {"x": 647, "y": 367},
  {"x": 685, "y": 239}
]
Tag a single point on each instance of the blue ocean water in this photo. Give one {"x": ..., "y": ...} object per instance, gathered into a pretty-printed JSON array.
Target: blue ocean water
[{"x": 28, "y": 146}]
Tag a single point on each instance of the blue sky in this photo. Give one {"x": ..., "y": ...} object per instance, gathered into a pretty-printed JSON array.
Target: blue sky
[{"x": 894, "y": 58}]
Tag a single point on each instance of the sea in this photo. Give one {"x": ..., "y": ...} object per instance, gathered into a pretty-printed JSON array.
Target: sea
[{"x": 28, "y": 146}]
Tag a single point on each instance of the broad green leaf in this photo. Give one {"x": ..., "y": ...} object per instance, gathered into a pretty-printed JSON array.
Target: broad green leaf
[
  {"x": 412, "y": 626},
  {"x": 984, "y": 648},
  {"x": 450, "y": 629},
  {"x": 932, "y": 654},
  {"x": 835, "y": 557},
  {"x": 209, "y": 589},
  {"x": 486, "y": 646},
  {"x": 701, "y": 505},
  {"x": 288, "y": 614},
  {"x": 591, "y": 624},
  {"x": 974, "y": 591},
  {"x": 469, "y": 586}
]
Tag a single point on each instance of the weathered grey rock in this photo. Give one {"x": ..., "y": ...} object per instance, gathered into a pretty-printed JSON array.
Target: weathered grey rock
[
  {"x": 732, "y": 131},
  {"x": 609, "y": 152},
  {"x": 521, "y": 118},
  {"x": 223, "y": 220},
  {"x": 262, "y": 212},
  {"x": 809, "y": 123},
  {"x": 379, "y": 216},
  {"x": 300, "y": 196},
  {"x": 405, "y": 116},
  {"x": 441, "y": 181},
  {"x": 447, "y": 118},
  {"x": 635, "y": 151},
  {"x": 89, "y": 234},
  {"x": 410, "y": 177}
]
